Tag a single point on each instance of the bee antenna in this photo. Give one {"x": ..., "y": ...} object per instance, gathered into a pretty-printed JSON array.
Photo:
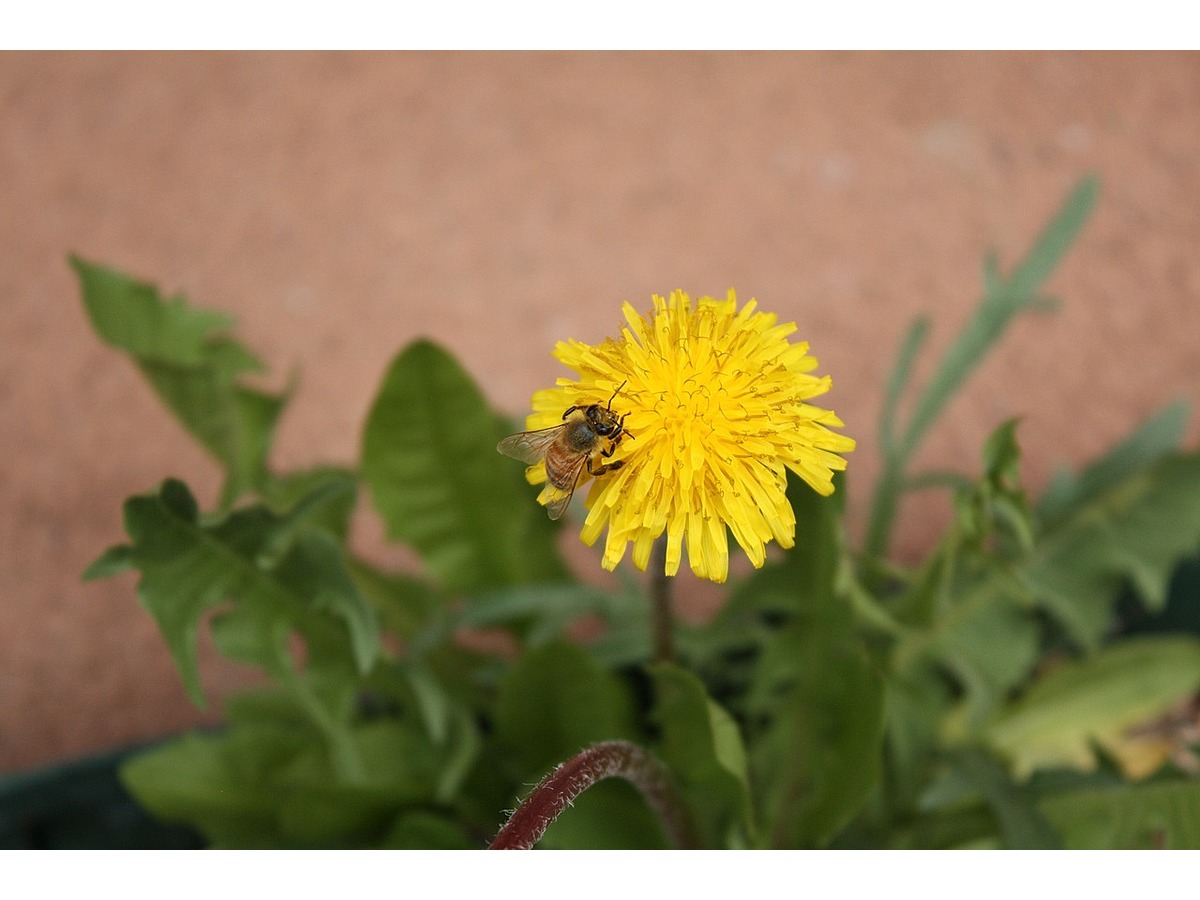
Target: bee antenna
[{"x": 617, "y": 391}]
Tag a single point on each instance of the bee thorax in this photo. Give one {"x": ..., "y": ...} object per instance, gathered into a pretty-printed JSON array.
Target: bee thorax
[{"x": 581, "y": 437}]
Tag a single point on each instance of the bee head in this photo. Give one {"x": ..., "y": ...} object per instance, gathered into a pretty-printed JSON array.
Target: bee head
[{"x": 602, "y": 419}]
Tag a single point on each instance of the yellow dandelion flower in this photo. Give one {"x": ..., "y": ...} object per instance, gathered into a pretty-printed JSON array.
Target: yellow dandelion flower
[{"x": 712, "y": 401}]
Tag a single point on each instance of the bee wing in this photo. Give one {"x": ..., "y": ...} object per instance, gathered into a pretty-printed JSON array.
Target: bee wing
[
  {"x": 529, "y": 447},
  {"x": 556, "y": 499}
]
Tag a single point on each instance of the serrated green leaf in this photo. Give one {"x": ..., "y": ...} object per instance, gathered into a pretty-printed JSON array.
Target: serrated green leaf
[
  {"x": 268, "y": 785},
  {"x": 554, "y": 702},
  {"x": 1073, "y": 707},
  {"x": 1147, "y": 816},
  {"x": 193, "y": 365},
  {"x": 132, "y": 316},
  {"x": 1137, "y": 530},
  {"x": 112, "y": 561},
  {"x": 189, "y": 569},
  {"x": 430, "y": 460},
  {"x": 702, "y": 745}
]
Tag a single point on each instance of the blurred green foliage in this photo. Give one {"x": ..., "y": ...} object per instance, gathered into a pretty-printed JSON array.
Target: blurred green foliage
[{"x": 987, "y": 697}]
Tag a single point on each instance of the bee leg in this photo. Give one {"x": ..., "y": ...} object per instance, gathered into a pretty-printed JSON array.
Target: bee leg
[
  {"x": 604, "y": 467},
  {"x": 571, "y": 410}
]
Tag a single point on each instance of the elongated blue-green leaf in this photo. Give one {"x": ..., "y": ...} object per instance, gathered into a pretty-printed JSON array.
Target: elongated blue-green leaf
[
  {"x": 898, "y": 380},
  {"x": 1005, "y": 298},
  {"x": 429, "y": 457}
]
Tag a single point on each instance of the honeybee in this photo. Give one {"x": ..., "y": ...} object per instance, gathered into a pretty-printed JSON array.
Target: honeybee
[{"x": 567, "y": 448}]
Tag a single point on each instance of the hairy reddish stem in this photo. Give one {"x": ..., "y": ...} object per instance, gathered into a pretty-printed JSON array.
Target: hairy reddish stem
[{"x": 559, "y": 789}]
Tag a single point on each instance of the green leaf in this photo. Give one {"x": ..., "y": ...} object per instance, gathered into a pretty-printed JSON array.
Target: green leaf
[
  {"x": 271, "y": 785},
  {"x": 400, "y": 766},
  {"x": 1022, "y": 824},
  {"x": 1002, "y": 300},
  {"x": 215, "y": 783},
  {"x": 423, "y": 830},
  {"x": 816, "y": 711},
  {"x": 610, "y": 815},
  {"x": 541, "y": 613},
  {"x": 132, "y": 316},
  {"x": 112, "y": 561},
  {"x": 991, "y": 643},
  {"x": 1006, "y": 298},
  {"x": 1146, "y": 816},
  {"x": 818, "y": 759},
  {"x": 323, "y": 496},
  {"x": 916, "y": 701},
  {"x": 189, "y": 568},
  {"x": 430, "y": 460},
  {"x": 898, "y": 380},
  {"x": 808, "y": 572},
  {"x": 1095, "y": 700},
  {"x": 554, "y": 702},
  {"x": 995, "y": 508},
  {"x": 1137, "y": 530},
  {"x": 977, "y": 620},
  {"x": 701, "y": 744},
  {"x": 1154, "y": 439},
  {"x": 193, "y": 365},
  {"x": 814, "y": 705},
  {"x": 405, "y": 603}
]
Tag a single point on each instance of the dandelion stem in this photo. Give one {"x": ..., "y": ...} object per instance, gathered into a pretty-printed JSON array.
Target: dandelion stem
[
  {"x": 559, "y": 789},
  {"x": 660, "y": 599}
]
